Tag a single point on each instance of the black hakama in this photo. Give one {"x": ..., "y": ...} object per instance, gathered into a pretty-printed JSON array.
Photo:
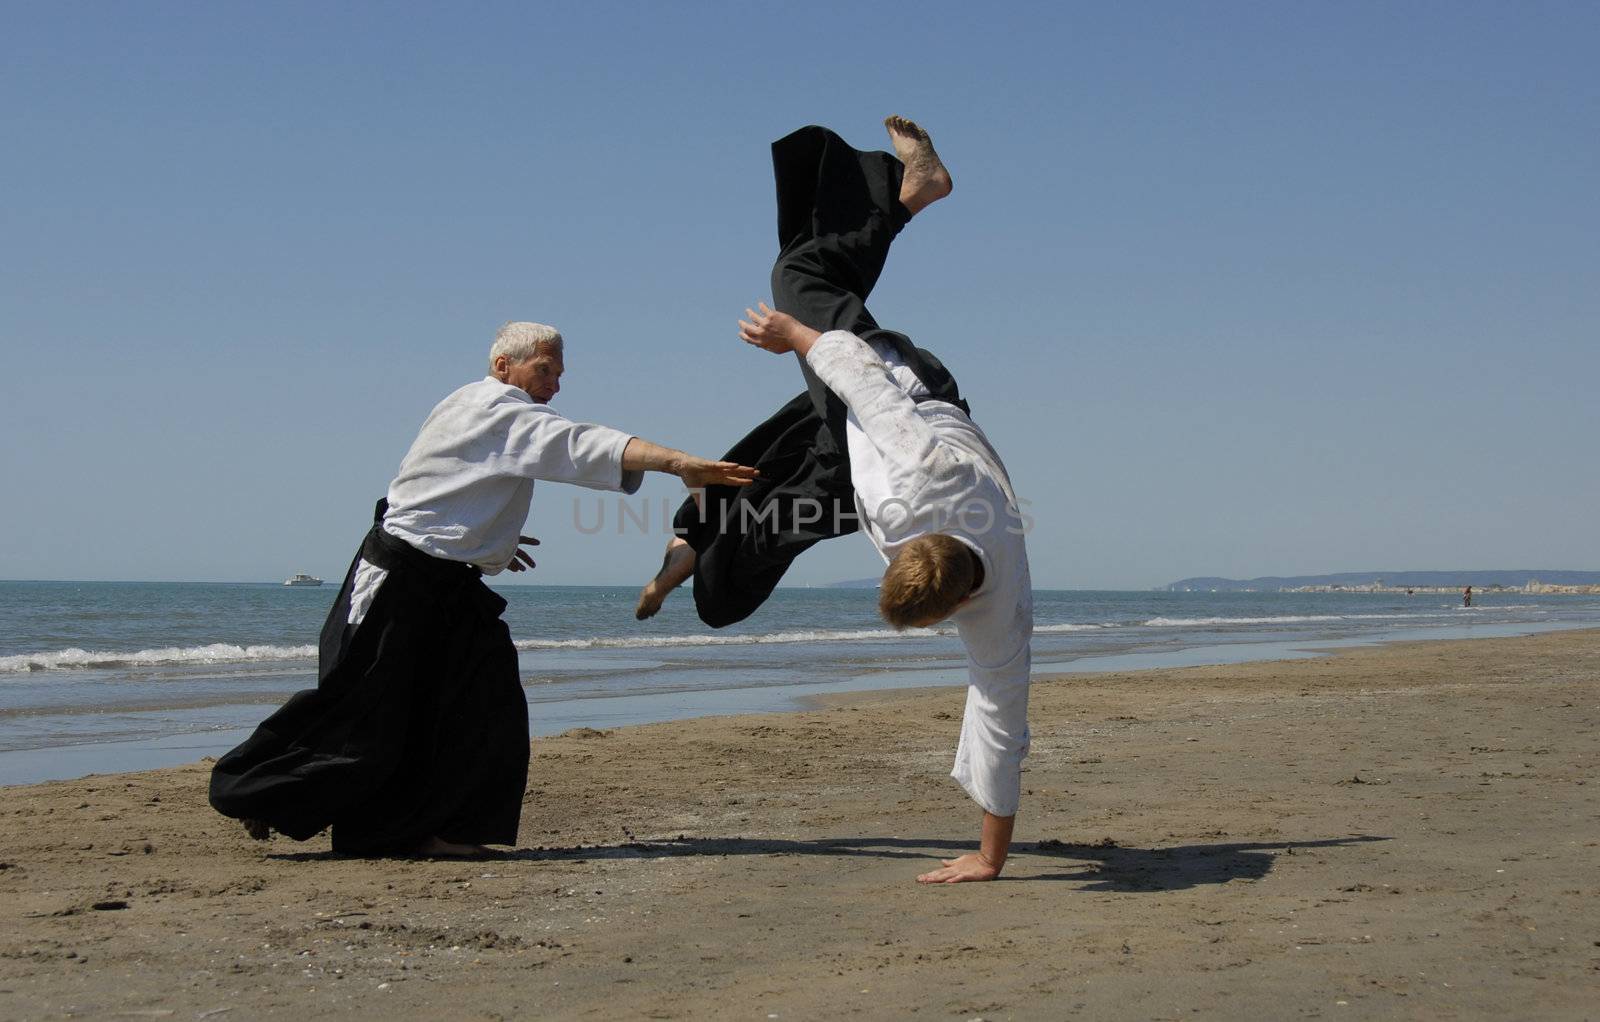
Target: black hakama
[
  {"x": 418, "y": 726},
  {"x": 838, "y": 212}
]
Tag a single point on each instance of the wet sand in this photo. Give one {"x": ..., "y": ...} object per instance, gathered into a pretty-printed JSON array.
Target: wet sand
[{"x": 1406, "y": 831}]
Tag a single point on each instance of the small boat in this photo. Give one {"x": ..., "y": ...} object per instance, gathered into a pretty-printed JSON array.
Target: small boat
[{"x": 302, "y": 580}]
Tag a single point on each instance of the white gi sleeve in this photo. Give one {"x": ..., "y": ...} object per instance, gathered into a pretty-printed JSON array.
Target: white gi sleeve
[
  {"x": 994, "y": 734},
  {"x": 543, "y": 444},
  {"x": 887, "y": 415}
]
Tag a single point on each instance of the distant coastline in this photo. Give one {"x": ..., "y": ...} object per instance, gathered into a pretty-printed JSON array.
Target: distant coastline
[
  {"x": 1533, "y": 588},
  {"x": 1550, "y": 582}
]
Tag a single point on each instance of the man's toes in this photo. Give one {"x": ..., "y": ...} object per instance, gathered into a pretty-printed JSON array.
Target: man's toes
[{"x": 902, "y": 126}]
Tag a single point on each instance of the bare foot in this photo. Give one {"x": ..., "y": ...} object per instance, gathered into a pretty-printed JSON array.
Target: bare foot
[
  {"x": 676, "y": 567},
  {"x": 926, "y": 180},
  {"x": 438, "y": 848},
  {"x": 257, "y": 829}
]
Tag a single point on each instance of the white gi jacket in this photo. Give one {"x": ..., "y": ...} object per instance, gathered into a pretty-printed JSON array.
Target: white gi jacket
[
  {"x": 464, "y": 488},
  {"x": 921, "y": 467}
]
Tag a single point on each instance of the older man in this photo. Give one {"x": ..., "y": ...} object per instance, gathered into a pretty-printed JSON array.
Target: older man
[{"x": 415, "y": 740}]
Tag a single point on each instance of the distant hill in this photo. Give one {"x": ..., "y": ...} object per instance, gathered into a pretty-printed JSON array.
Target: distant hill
[
  {"x": 857, "y": 583},
  {"x": 1480, "y": 579}
]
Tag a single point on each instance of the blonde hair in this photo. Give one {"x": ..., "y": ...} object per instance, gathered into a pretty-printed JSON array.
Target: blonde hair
[
  {"x": 519, "y": 342},
  {"x": 925, "y": 581}
]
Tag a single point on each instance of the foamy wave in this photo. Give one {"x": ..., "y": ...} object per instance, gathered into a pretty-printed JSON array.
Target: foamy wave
[
  {"x": 1187, "y": 622},
  {"x": 764, "y": 639},
  {"x": 647, "y": 641},
  {"x": 215, "y": 653}
]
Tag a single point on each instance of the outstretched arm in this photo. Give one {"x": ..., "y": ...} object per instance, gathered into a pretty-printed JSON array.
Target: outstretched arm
[
  {"x": 993, "y": 847},
  {"x": 643, "y": 456},
  {"x": 857, "y": 374}
]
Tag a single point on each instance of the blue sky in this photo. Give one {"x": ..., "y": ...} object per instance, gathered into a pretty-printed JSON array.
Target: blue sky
[{"x": 1236, "y": 289}]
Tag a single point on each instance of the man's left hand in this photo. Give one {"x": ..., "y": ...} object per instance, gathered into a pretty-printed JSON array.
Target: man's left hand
[
  {"x": 777, "y": 332},
  {"x": 520, "y": 561}
]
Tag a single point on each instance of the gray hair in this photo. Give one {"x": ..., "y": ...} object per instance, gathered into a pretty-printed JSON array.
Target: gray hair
[{"x": 519, "y": 342}]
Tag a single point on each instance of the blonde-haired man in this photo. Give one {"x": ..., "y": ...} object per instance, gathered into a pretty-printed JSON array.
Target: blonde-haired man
[
  {"x": 936, "y": 502},
  {"x": 884, "y": 419},
  {"x": 927, "y": 580}
]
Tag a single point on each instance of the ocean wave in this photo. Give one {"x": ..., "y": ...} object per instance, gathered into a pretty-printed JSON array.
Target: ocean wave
[
  {"x": 1283, "y": 619},
  {"x": 215, "y": 653},
  {"x": 766, "y": 638},
  {"x": 227, "y": 653}
]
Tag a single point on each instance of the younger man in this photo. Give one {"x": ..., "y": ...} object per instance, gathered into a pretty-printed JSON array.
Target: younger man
[{"x": 934, "y": 496}]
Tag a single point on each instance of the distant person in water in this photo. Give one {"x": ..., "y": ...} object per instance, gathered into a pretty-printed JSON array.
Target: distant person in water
[
  {"x": 881, "y": 440},
  {"x": 1466, "y": 597},
  {"x": 415, "y": 740}
]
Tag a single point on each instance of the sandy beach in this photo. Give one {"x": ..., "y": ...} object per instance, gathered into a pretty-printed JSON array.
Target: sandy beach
[{"x": 1402, "y": 831}]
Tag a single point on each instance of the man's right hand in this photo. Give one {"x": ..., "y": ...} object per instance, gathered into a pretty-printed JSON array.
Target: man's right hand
[
  {"x": 965, "y": 869},
  {"x": 696, "y": 473}
]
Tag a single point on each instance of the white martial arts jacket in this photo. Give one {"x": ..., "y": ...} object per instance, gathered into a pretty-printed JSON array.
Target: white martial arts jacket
[
  {"x": 464, "y": 488},
  {"x": 921, "y": 467}
]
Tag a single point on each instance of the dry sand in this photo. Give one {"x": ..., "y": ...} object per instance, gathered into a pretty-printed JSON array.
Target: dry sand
[{"x": 1411, "y": 831}]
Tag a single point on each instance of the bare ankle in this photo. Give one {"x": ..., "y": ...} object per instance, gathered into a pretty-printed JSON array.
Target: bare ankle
[
  {"x": 677, "y": 565},
  {"x": 926, "y": 179}
]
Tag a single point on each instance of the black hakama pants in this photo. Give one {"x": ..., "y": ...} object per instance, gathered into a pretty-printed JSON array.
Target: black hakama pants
[
  {"x": 418, "y": 726},
  {"x": 838, "y": 212}
]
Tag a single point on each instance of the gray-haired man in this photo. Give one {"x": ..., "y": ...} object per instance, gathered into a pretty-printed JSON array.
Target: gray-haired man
[{"x": 415, "y": 740}]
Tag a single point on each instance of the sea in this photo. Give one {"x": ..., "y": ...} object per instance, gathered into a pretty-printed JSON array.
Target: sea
[{"x": 104, "y": 677}]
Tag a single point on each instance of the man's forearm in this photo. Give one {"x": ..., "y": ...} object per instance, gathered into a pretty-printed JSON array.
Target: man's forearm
[
  {"x": 995, "y": 843},
  {"x": 802, "y": 337},
  {"x": 643, "y": 456}
]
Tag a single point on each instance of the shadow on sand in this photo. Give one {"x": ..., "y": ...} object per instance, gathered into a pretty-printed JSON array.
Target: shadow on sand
[
  {"x": 1104, "y": 866},
  {"x": 1110, "y": 867}
]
